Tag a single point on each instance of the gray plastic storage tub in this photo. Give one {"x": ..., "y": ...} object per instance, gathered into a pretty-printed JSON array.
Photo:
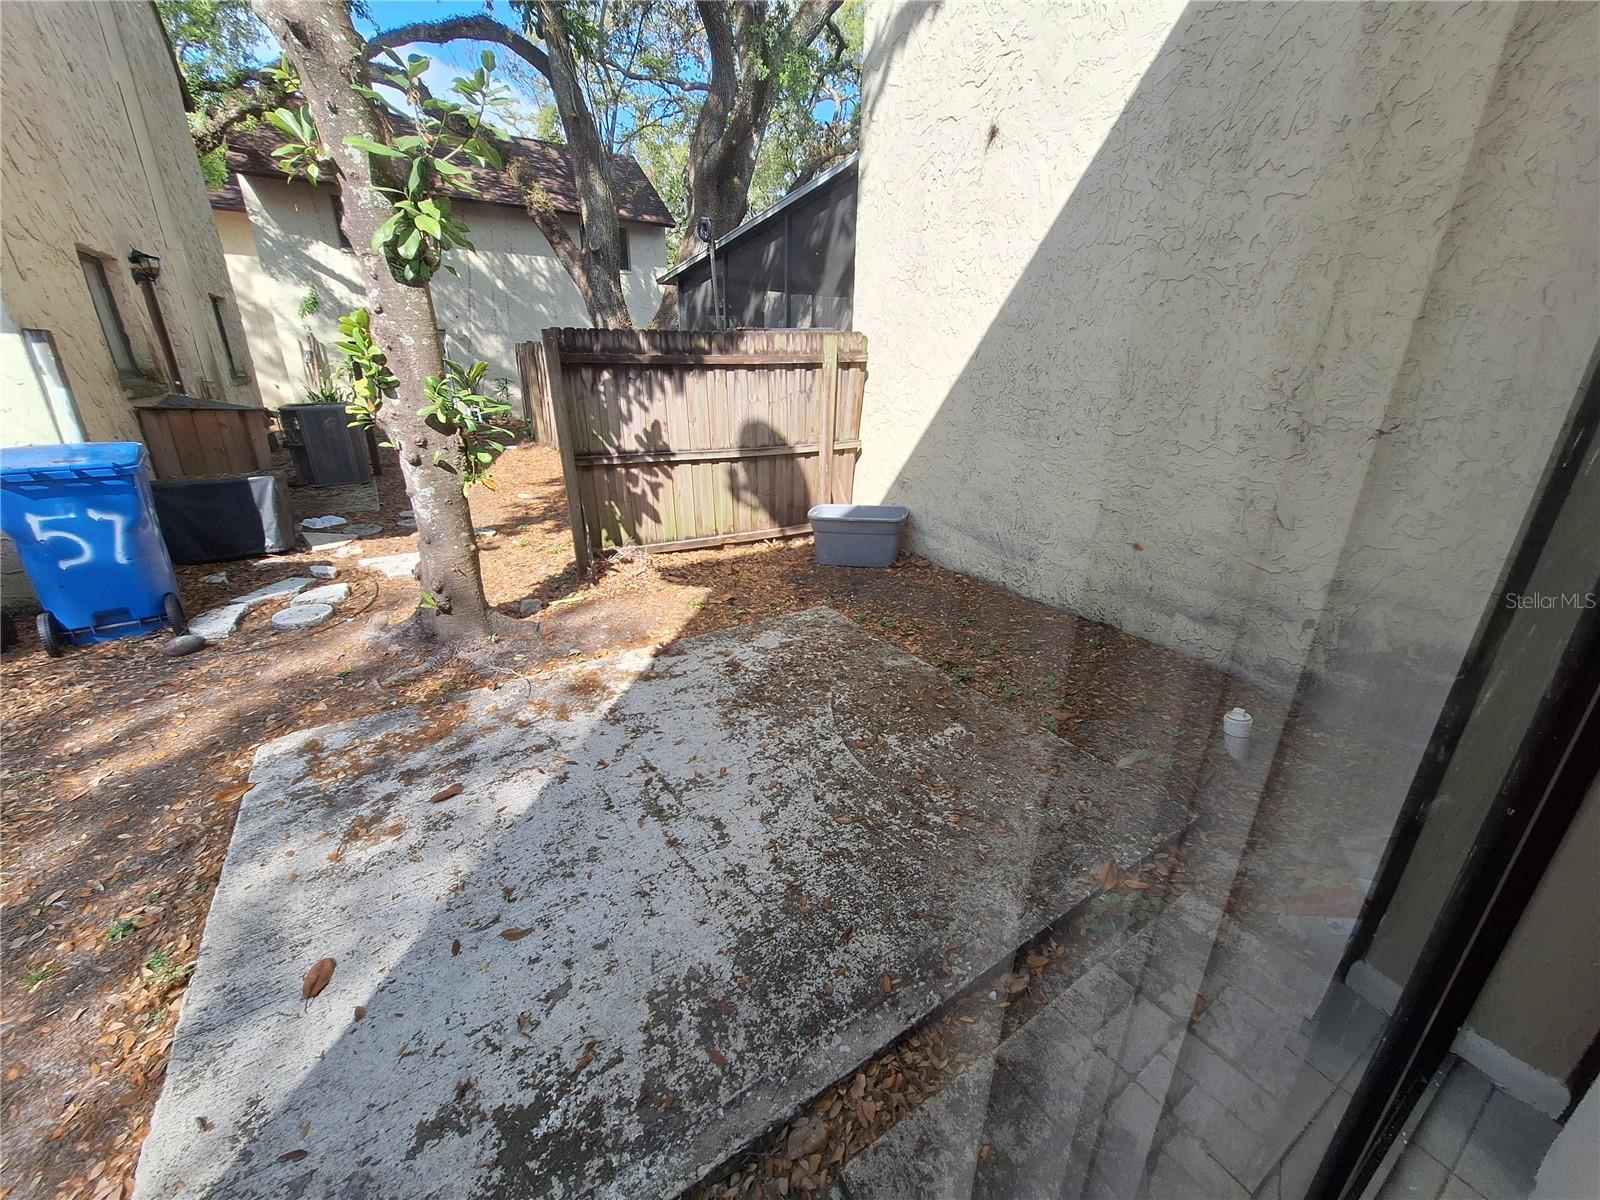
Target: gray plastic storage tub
[{"x": 857, "y": 535}]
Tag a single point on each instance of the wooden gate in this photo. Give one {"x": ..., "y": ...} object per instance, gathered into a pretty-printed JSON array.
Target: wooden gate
[{"x": 677, "y": 440}]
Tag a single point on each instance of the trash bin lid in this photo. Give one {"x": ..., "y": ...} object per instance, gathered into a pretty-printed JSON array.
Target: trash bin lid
[{"x": 68, "y": 462}]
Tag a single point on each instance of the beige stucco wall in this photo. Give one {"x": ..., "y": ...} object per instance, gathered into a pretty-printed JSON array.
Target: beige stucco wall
[
  {"x": 97, "y": 157},
  {"x": 1245, "y": 328},
  {"x": 508, "y": 290}
]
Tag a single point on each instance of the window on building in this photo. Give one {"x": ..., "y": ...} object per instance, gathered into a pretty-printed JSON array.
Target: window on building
[
  {"x": 105, "y": 307},
  {"x": 219, "y": 314},
  {"x": 52, "y": 376},
  {"x": 338, "y": 222}
]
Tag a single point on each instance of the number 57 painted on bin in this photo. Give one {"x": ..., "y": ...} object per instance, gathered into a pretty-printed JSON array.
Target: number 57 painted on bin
[{"x": 119, "y": 535}]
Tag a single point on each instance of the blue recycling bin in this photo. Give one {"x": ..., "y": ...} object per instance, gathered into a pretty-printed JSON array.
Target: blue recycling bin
[{"x": 85, "y": 527}]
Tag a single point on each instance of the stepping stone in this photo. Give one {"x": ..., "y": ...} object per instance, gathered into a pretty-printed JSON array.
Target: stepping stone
[
  {"x": 328, "y": 522},
  {"x": 217, "y": 623},
  {"x": 301, "y": 616},
  {"x": 328, "y": 593},
  {"x": 184, "y": 643},
  {"x": 323, "y": 571},
  {"x": 395, "y": 566},
  {"x": 273, "y": 591},
  {"x": 340, "y": 537}
]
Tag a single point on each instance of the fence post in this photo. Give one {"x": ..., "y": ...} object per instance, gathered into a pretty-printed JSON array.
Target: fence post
[
  {"x": 555, "y": 385},
  {"x": 827, "y": 405}
]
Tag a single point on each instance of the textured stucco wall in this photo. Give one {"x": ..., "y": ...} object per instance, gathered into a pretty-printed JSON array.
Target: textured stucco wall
[
  {"x": 1245, "y": 328},
  {"x": 509, "y": 289},
  {"x": 97, "y": 157}
]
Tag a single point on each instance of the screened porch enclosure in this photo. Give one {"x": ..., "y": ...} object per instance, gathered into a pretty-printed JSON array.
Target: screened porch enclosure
[{"x": 791, "y": 267}]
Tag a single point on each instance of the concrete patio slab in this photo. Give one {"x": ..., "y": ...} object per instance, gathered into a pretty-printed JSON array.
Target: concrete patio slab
[{"x": 673, "y": 899}]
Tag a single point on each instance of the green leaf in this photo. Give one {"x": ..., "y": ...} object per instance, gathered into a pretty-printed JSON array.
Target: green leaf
[
  {"x": 383, "y": 234},
  {"x": 488, "y": 60},
  {"x": 428, "y": 225},
  {"x": 286, "y": 121},
  {"x": 372, "y": 147},
  {"x": 412, "y": 245},
  {"x": 414, "y": 182}
]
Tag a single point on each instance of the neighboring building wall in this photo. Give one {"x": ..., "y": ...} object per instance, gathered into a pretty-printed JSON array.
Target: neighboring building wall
[
  {"x": 509, "y": 289},
  {"x": 1244, "y": 328},
  {"x": 97, "y": 157}
]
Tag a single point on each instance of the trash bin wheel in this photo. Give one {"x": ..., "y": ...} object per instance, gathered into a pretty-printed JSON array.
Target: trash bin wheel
[
  {"x": 48, "y": 638},
  {"x": 174, "y": 612}
]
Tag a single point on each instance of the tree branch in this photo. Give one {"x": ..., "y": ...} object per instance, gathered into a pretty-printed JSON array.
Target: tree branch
[
  {"x": 458, "y": 29},
  {"x": 687, "y": 85},
  {"x": 818, "y": 160},
  {"x": 220, "y": 120}
]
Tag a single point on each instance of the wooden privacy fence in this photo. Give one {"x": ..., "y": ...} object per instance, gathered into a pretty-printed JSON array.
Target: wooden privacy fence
[
  {"x": 190, "y": 438},
  {"x": 535, "y": 395},
  {"x": 678, "y": 440}
]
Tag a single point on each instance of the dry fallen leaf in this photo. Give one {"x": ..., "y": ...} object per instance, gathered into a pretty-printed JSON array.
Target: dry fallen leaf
[
  {"x": 361, "y": 1012},
  {"x": 293, "y": 1155},
  {"x": 1106, "y": 874},
  {"x": 317, "y": 978},
  {"x": 445, "y": 793},
  {"x": 455, "y": 947},
  {"x": 515, "y": 935},
  {"x": 886, "y": 982},
  {"x": 718, "y": 1057},
  {"x": 232, "y": 794}
]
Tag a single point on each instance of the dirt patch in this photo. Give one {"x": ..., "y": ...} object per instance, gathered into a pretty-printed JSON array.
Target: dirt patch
[{"x": 123, "y": 771}]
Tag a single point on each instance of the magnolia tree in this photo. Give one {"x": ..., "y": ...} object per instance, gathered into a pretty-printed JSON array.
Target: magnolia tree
[{"x": 393, "y": 178}]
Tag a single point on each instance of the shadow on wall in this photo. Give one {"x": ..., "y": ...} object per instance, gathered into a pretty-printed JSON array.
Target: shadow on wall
[{"x": 1275, "y": 382}]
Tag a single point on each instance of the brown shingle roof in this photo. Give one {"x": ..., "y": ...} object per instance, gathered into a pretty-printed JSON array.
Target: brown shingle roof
[{"x": 250, "y": 153}]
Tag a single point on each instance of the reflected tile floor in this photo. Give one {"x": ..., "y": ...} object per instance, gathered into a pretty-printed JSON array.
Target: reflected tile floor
[
  {"x": 1474, "y": 1142},
  {"x": 1194, "y": 1061}
]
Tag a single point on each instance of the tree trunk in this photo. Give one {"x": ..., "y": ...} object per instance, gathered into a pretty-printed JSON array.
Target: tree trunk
[
  {"x": 601, "y": 251},
  {"x": 746, "y": 58},
  {"x": 331, "y": 60}
]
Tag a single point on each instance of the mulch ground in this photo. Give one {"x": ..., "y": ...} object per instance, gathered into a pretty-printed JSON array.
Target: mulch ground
[{"x": 123, "y": 771}]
